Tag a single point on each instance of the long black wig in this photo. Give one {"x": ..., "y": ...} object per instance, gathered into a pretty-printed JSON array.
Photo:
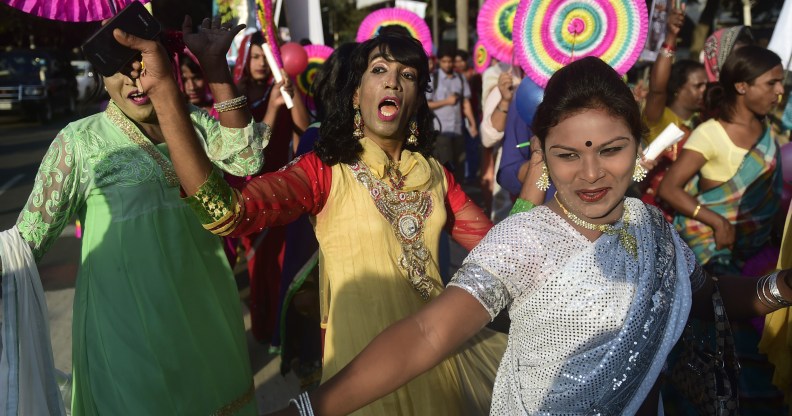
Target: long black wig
[{"x": 336, "y": 143}]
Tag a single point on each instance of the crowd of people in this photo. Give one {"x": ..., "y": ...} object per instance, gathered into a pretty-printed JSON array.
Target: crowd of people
[{"x": 601, "y": 258}]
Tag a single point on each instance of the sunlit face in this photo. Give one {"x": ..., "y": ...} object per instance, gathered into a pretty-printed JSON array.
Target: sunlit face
[
  {"x": 135, "y": 104},
  {"x": 460, "y": 65},
  {"x": 387, "y": 97},
  {"x": 591, "y": 180},
  {"x": 691, "y": 95},
  {"x": 194, "y": 85},
  {"x": 761, "y": 96},
  {"x": 446, "y": 64},
  {"x": 257, "y": 65}
]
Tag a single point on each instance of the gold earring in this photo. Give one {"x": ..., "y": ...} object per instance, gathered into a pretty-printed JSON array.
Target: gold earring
[
  {"x": 543, "y": 183},
  {"x": 413, "y": 139},
  {"x": 640, "y": 172},
  {"x": 358, "y": 121}
]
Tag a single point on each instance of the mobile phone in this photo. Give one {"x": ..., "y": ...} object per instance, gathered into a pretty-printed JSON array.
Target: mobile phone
[{"x": 105, "y": 53}]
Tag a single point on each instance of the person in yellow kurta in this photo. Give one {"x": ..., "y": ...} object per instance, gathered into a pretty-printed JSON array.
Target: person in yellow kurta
[
  {"x": 777, "y": 336},
  {"x": 378, "y": 201}
]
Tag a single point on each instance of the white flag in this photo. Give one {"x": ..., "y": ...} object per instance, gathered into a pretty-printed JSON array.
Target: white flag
[
  {"x": 362, "y": 4},
  {"x": 305, "y": 20},
  {"x": 781, "y": 42},
  {"x": 417, "y": 7}
]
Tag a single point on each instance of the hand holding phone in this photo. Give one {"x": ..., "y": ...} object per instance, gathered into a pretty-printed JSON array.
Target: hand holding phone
[{"x": 105, "y": 53}]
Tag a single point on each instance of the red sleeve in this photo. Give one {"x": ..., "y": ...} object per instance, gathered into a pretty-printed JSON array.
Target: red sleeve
[
  {"x": 467, "y": 223},
  {"x": 278, "y": 198}
]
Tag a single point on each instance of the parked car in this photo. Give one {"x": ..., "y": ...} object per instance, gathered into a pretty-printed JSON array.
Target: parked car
[
  {"x": 88, "y": 81},
  {"x": 37, "y": 84}
]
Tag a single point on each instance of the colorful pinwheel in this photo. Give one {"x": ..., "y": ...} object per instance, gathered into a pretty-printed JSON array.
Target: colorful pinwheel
[{"x": 549, "y": 34}]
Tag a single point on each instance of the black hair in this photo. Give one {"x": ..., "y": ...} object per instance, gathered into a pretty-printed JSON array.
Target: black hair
[
  {"x": 245, "y": 80},
  {"x": 330, "y": 76},
  {"x": 336, "y": 143},
  {"x": 680, "y": 72},
  {"x": 187, "y": 60},
  {"x": 394, "y": 29},
  {"x": 588, "y": 83},
  {"x": 462, "y": 54},
  {"x": 442, "y": 53},
  {"x": 743, "y": 65}
]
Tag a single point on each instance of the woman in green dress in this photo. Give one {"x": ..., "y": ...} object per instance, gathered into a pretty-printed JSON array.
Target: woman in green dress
[{"x": 157, "y": 321}]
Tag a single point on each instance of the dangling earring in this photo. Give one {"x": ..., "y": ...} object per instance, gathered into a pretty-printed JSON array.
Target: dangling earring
[
  {"x": 544, "y": 181},
  {"x": 413, "y": 139},
  {"x": 639, "y": 173},
  {"x": 358, "y": 120}
]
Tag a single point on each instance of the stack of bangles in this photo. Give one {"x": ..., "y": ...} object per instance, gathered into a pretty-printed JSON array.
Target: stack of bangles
[
  {"x": 230, "y": 105},
  {"x": 303, "y": 404},
  {"x": 669, "y": 51},
  {"x": 769, "y": 283}
]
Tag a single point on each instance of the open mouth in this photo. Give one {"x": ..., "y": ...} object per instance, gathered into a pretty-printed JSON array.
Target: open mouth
[
  {"x": 137, "y": 97},
  {"x": 389, "y": 108}
]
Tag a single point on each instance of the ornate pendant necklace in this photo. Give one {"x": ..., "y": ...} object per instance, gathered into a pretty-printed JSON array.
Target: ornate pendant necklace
[
  {"x": 627, "y": 240},
  {"x": 394, "y": 175}
]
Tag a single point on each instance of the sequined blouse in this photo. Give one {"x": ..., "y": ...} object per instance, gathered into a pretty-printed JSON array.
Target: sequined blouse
[{"x": 591, "y": 323}]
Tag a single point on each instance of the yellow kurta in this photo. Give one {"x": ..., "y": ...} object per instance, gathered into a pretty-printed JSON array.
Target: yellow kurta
[
  {"x": 777, "y": 336},
  {"x": 363, "y": 290}
]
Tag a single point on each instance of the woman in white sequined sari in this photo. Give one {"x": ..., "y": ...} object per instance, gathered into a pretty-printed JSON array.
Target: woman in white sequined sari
[{"x": 598, "y": 286}]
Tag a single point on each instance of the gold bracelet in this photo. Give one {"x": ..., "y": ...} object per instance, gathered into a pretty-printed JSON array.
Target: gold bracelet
[
  {"x": 230, "y": 105},
  {"x": 696, "y": 211}
]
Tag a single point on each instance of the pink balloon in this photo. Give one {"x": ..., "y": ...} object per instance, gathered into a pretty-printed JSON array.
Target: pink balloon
[
  {"x": 786, "y": 162},
  {"x": 295, "y": 59}
]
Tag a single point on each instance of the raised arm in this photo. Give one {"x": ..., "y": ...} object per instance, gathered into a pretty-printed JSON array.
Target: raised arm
[
  {"x": 661, "y": 69},
  {"x": 210, "y": 45},
  {"x": 187, "y": 154},
  {"x": 506, "y": 90}
]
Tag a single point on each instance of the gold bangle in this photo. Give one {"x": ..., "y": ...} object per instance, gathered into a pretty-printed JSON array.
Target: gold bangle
[{"x": 696, "y": 211}]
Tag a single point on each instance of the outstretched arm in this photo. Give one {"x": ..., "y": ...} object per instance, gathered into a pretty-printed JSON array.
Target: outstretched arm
[
  {"x": 400, "y": 353},
  {"x": 741, "y": 296}
]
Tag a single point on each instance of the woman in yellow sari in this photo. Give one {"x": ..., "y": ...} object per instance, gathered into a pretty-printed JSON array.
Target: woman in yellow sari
[{"x": 379, "y": 201}]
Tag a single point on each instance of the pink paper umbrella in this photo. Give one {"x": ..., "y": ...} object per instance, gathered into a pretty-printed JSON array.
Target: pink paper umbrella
[
  {"x": 494, "y": 26},
  {"x": 481, "y": 57},
  {"x": 549, "y": 34},
  {"x": 317, "y": 55},
  {"x": 71, "y": 10},
  {"x": 374, "y": 22}
]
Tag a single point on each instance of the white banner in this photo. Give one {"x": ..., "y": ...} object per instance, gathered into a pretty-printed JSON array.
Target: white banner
[
  {"x": 366, "y": 3},
  {"x": 305, "y": 20},
  {"x": 417, "y": 7},
  {"x": 781, "y": 42}
]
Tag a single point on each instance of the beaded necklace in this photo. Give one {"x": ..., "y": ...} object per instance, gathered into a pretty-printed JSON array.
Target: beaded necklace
[{"x": 627, "y": 240}]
